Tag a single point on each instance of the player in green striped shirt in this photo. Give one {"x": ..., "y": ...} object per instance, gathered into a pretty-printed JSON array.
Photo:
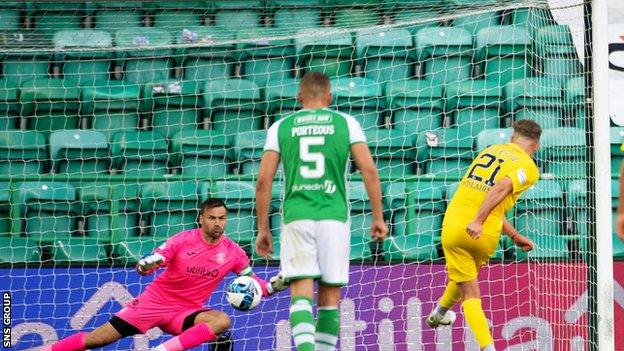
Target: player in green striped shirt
[{"x": 314, "y": 145}]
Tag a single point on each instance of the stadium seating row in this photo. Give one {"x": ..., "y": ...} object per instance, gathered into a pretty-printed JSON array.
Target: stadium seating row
[
  {"x": 497, "y": 53},
  {"x": 112, "y": 15},
  {"x": 236, "y": 105},
  {"x": 96, "y": 223},
  {"x": 443, "y": 152}
]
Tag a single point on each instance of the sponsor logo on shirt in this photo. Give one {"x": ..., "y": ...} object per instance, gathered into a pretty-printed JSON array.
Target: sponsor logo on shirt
[
  {"x": 202, "y": 271},
  {"x": 328, "y": 187},
  {"x": 522, "y": 176},
  {"x": 190, "y": 253},
  {"x": 313, "y": 118}
]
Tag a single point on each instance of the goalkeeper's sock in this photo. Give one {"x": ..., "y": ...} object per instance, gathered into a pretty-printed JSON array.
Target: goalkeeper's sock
[
  {"x": 194, "y": 336},
  {"x": 476, "y": 321},
  {"x": 302, "y": 323},
  {"x": 327, "y": 329},
  {"x": 75, "y": 342},
  {"x": 448, "y": 300}
]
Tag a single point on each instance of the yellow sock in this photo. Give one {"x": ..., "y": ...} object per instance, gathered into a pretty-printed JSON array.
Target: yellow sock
[
  {"x": 476, "y": 321},
  {"x": 450, "y": 296}
]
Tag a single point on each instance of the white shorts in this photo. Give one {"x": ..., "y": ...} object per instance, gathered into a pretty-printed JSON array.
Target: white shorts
[{"x": 317, "y": 250}]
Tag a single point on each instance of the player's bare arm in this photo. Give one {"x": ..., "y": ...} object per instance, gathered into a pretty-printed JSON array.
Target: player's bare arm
[
  {"x": 364, "y": 162},
  {"x": 523, "y": 242},
  {"x": 495, "y": 195},
  {"x": 268, "y": 167}
]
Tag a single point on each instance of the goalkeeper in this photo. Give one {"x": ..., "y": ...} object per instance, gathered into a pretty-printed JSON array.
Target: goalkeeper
[
  {"x": 197, "y": 260},
  {"x": 474, "y": 219}
]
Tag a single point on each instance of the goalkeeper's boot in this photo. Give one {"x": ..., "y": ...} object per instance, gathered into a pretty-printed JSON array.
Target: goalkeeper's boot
[{"x": 434, "y": 320}]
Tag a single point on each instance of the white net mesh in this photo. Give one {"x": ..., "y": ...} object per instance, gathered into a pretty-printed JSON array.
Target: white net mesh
[{"x": 121, "y": 117}]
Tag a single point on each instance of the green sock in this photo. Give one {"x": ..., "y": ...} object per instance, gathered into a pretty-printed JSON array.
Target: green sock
[
  {"x": 327, "y": 328},
  {"x": 302, "y": 323}
]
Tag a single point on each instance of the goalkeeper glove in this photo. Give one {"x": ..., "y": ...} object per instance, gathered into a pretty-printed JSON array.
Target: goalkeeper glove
[
  {"x": 277, "y": 284},
  {"x": 149, "y": 263}
]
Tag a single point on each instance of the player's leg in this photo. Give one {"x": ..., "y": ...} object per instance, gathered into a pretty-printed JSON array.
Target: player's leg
[
  {"x": 299, "y": 266},
  {"x": 333, "y": 243},
  {"x": 193, "y": 328},
  {"x": 328, "y": 318},
  {"x": 102, "y": 336},
  {"x": 473, "y": 312},
  {"x": 441, "y": 314}
]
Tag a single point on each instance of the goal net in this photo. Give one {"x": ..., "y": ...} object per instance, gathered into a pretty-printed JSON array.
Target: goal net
[{"x": 120, "y": 118}]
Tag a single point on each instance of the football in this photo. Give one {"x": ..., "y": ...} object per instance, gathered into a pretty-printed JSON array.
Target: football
[{"x": 244, "y": 293}]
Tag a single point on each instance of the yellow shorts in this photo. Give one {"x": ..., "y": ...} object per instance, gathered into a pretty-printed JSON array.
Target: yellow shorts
[{"x": 464, "y": 255}]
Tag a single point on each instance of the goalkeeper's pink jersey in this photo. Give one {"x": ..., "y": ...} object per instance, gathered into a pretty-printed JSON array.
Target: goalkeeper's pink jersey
[{"x": 194, "y": 268}]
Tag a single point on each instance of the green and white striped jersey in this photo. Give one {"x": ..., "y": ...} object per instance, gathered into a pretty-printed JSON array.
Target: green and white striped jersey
[{"x": 314, "y": 147}]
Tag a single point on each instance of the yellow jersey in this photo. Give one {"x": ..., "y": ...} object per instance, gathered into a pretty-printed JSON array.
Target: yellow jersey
[{"x": 491, "y": 165}]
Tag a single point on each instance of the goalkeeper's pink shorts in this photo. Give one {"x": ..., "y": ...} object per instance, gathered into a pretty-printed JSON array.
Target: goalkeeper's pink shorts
[{"x": 145, "y": 313}]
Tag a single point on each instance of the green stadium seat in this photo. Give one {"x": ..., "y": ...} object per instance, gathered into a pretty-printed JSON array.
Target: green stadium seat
[
  {"x": 474, "y": 23},
  {"x": 240, "y": 199},
  {"x": 265, "y": 59},
  {"x": 205, "y": 62},
  {"x": 574, "y": 92},
  {"x": 281, "y": 98},
  {"x": 50, "y": 20},
  {"x": 307, "y": 17},
  {"x": 19, "y": 250},
  {"x": 143, "y": 153},
  {"x": 539, "y": 214},
  {"x": 47, "y": 210},
  {"x": 360, "y": 221},
  {"x": 361, "y": 98},
  {"x": 10, "y": 19},
  {"x": 201, "y": 153},
  {"x": 416, "y": 105},
  {"x": 501, "y": 53},
  {"x": 615, "y": 194},
  {"x": 147, "y": 57},
  {"x": 9, "y": 106},
  {"x": 356, "y": 17},
  {"x": 474, "y": 105},
  {"x": 563, "y": 152},
  {"x": 20, "y": 62},
  {"x": 129, "y": 251},
  {"x": 79, "y": 250},
  {"x": 617, "y": 155},
  {"x": 113, "y": 15},
  {"x": 112, "y": 107},
  {"x": 175, "y": 105},
  {"x": 51, "y": 104},
  {"x": 445, "y": 152},
  {"x": 248, "y": 148},
  {"x": 417, "y": 210},
  {"x": 79, "y": 152},
  {"x": 490, "y": 137},
  {"x": 22, "y": 152},
  {"x": 393, "y": 151},
  {"x": 326, "y": 50},
  {"x": 80, "y": 66},
  {"x": 530, "y": 17},
  {"x": 423, "y": 17},
  {"x": 170, "y": 207},
  {"x": 175, "y": 20},
  {"x": 238, "y": 15},
  {"x": 538, "y": 99},
  {"x": 97, "y": 205},
  {"x": 444, "y": 53},
  {"x": 555, "y": 53},
  {"x": 384, "y": 53},
  {"x": 234, "y": 104},
  {"x": 5, "y": 209}
]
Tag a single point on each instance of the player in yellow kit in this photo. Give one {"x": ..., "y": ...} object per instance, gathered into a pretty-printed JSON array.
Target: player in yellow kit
[{"x": 474, "y": 219}]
